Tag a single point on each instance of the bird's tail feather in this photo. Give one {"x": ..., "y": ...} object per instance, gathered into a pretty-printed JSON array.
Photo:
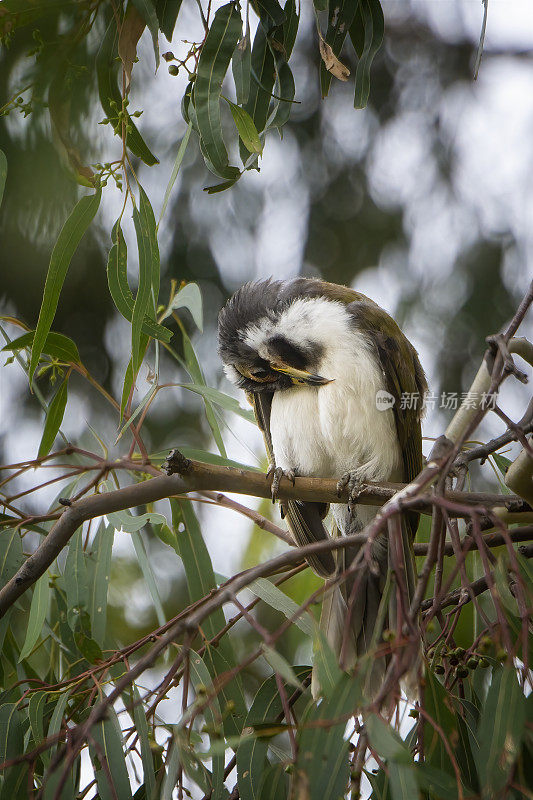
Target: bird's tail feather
[{"x": 369, "y": 599}]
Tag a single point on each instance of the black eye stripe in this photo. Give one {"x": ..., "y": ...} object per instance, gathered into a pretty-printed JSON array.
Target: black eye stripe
[{"x": 288, "y": 353}]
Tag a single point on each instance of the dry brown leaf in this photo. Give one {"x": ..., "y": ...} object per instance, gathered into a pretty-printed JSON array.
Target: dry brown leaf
[
  {"x": 332, "y": 63},
  {"x": 130, "y": 33}
]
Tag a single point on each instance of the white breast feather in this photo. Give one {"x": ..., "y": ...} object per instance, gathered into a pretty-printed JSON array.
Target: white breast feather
[{"x": 327, "y": 430}]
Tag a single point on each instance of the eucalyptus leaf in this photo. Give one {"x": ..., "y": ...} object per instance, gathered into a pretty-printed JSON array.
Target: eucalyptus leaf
[
  {"x": 54, "y": 418},
  {"x": 38, "y": 611},
  {"x": 67, "y": 242}
]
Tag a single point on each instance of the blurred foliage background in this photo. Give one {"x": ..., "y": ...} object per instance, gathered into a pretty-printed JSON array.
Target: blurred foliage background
[{"x": 423, "y": 200}]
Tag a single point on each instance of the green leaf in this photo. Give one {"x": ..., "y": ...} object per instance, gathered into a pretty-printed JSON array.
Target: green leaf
[
  {"x": 213, "y": 64},
  {"x": 117, "y": 278},
  {"x": 274, "y": 783},
  {"x": 65, "y": 247},
  {"x": 101, "y": 556},
  {"x": 148, "y": 575},
  {"x": 263, "y": 76},
  {"x": 76, "y": 581},
  {"x": 107, "y": 65},
  {"x": 200, "y": 675},
  {"x": 326, "y": 664},
  {"x": 322, "y": 749},
  {"x": 194, "y": 369},
  {"x": 200, "y": 581},
  {"x": 369, "y": 18},
  {"x": 170, "y": 779},
  {"x": 176, "y": 168},
  {"x": 440, "y": 784},
  {"x": 126, "y": 389},
  {"x": 188, "y": 297},
  {"x": 11, "y": 745},
  {"x": 501, "y": 462},
  {"x": 54, "y": 418},
  {"x": 386, "y": 742},
  {"x": 36, "y": 705},
  {"x": 220, "y": 399},
  {"x": 123, "y": 520},
  {"x": 241, "y": 64},
  {"x": 403, "y": 781},
  {"x": 438, "y": 706},
  {"x": 3, "y": 174},
  {"x": 11, "y": 555},
  {"x": 148, "y": 288},
  {"x": 147, "y": 11},
  {"x": 280, "y": 665},
  {"x": 246, "y": 128},
  {"x": 277, "y": 599},
  {"x": 139, "y": 718},
  {"x": 107, "y": 735},
  {"x": 56, "y": 345},
  {"x": 500, "y": 731},
  {"x": 340, "y": 18},
  {"x": 167, "y": 13},
  {"x": 320, "y": 5},
  {"x": 251, "y": 752},
  {"x": 38, "y": 610}
]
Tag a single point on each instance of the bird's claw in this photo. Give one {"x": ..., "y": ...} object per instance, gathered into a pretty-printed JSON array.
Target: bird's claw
[
  {"x": 355, "y": 485},
  {"x": 277, "y": 474}
]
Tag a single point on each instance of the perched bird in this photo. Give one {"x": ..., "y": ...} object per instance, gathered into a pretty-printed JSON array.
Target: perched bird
[{"x": 325, "y": 368}]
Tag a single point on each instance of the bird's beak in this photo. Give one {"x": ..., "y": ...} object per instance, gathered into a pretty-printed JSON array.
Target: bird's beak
[{"x": 300, "y": 376}]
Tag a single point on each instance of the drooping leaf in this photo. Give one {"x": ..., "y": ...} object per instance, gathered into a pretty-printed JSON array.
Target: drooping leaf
[
  {"x": 139, "y": 718},
  {"x": 220, "y": 399},
  {"x": 38, "y": 610},
  {"x": 36, "y": 705},
  {"x": 439, "y": 710},
  {"x": 331, "y": 63},
  {"x": 277, "y": 599},
  {"x": 366, "y": 33},
  {"x": 241, "y": 63},
  {"x": 56, "y": 345},
  {"x": 69, "y": 238},
  {"x": 3, "y": 174},
  {"x": 148, "y": 575},
  {"x": 246, "y": 128},
  {"x": 123, "y": 520},
  {"x": 11, "y": 555},
  {"x": 280, "y": 665},
  {"x": 131, "y": 29},
  {"x": 213, "y": 64},
  {"x": 12, "y": 728},
  {"x": 107, "y": 735},
  {"x": 322, "y": 763},
  {"x": 147, "y": 11},
  {"x": 251, "y": 752},
  {"x": 271, "y": 14},
  {"x": 200, "y": 676},
  {"x": 54, "y": 418},
  {"x": 100, "y": 557},
  {"x": 106, "y": 70},
  {"x": 326, "y": 664},
  {"x": 176, "y": 168},
  {"x": 75, "y": 578},
  {"x": 167, "y": 14},
  {"x": 340, "y": 18},
  {"x": 263, "y": 75},
  {"x": 500, "y": 731},
  {"x": 148, "y": 288}
]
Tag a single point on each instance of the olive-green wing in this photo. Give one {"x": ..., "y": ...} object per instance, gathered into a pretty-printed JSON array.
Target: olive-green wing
[
  {"x": 304, "y": 520},
  {"x": 404, "y": 379}
]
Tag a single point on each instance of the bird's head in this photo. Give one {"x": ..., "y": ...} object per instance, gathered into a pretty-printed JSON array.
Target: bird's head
[{"x": 268, "y": 343}]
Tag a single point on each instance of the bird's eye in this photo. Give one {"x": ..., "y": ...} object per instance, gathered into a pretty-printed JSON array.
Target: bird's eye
[{"x": 260, "y": 374}]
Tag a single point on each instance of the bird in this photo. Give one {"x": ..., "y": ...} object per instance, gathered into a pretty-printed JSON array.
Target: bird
[{"x": 325, "y": 369}]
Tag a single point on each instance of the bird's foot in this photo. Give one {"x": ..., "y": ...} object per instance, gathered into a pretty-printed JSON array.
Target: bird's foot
[
  {"x": 277, "y": 474},
  {"x": 355, "y": 485}
]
